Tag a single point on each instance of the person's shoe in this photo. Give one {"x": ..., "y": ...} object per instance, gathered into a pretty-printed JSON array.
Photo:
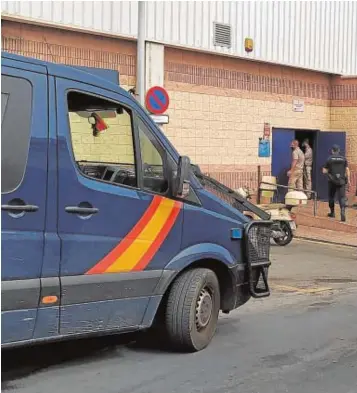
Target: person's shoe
[
  {"x": 331, "y": 215},
  {"x": 343, "y": 215}
]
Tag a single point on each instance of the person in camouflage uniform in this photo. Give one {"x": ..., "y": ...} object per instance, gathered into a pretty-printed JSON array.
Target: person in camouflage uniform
[
  {"x": 295, "y": 173},
  {"x": 307, "y": 166}
]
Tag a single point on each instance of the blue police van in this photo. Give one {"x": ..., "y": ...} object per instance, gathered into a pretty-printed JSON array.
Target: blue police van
[{"x": 105, "y": 227}]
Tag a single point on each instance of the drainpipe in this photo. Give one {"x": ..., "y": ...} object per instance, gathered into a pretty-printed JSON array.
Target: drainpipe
[{"x": 140, "y": 59}]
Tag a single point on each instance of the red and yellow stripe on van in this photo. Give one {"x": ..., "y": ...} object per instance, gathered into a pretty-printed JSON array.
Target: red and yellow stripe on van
[{"x": 140, "y": 245}]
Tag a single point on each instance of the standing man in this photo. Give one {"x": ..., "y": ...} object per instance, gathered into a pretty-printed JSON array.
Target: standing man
[
  {"x": 307, "y": 166},
  {"x": 338, "y": 175},
  {"x": 295, "y": 173}
]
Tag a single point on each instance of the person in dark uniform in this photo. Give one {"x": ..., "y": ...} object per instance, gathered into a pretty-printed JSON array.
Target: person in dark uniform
[{"x": 338, "y": 175}]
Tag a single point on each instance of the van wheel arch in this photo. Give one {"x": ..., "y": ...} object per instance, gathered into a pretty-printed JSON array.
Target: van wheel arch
[
  {"x": 156, "y": 335},
  {"x": 225, "y": 280}
]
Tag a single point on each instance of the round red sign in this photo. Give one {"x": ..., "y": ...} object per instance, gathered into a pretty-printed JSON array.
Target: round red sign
[{"x": 157, "y": 100}]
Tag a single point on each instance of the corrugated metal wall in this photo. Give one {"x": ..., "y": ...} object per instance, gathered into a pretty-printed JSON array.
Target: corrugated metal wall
[{"x": 318, "y": 35}]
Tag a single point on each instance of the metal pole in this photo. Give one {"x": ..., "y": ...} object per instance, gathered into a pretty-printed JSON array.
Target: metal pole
[
  {"x": 315, "y": 204},
  {"x": 140, "y": 60}
]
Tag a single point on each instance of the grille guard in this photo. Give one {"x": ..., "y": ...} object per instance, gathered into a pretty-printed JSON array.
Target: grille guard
[
  {"x": 256, "y": 252},
  {"x": 256, "y": 246}
]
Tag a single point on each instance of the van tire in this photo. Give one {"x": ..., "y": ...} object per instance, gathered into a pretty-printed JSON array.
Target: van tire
[{"x": 192, "y": 310}]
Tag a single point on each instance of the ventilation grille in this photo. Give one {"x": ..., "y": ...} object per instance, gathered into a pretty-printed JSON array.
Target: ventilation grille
[{"x": 222, "y": 35}]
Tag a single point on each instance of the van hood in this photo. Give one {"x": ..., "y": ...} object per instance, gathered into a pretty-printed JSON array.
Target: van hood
[{"x": 227, "y": 195}]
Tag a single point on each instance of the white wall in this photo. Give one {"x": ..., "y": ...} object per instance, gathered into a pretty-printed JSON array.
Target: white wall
[{"x": 318, "y": 35}]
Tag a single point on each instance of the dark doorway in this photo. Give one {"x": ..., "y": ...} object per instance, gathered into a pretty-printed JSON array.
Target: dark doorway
[
  {"x": 321, "y": 143},
  {"x": 281, "y": 154},
  {"x": 301, "y": 135}
]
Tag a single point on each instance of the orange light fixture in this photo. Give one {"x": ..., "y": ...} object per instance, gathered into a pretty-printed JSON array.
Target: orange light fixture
[{"x": 248, "y": 45}]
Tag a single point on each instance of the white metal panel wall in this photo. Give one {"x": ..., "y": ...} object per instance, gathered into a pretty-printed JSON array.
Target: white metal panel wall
[
  {"x": 318, "y": 35},
  {"x": 112, "y": 17}
]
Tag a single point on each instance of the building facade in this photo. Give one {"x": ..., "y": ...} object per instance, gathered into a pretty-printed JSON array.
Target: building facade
[{"x": 300, "y": 75}]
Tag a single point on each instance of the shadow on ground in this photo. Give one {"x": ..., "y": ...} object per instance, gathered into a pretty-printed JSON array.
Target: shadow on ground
[{"x": 22, "y": 362}]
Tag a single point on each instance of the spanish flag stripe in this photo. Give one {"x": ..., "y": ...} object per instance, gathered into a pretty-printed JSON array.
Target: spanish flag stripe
[
  {"x": 115, "y": 253},
  {"x": 133, "y": 254},
  {"x": 147, "y": 257}
]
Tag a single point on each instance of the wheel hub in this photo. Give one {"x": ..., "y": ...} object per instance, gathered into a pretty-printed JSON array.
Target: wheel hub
[{"x": 203, "y": 309}]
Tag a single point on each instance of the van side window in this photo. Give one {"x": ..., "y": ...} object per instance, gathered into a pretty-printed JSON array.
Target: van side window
[
  {"x": 102, "y": 139},
  {"x": 152, "y": 161},
  {"x": 16, "y": 108}
]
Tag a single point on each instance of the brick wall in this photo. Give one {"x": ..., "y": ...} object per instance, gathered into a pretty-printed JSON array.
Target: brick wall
[
  {"x": 219, "y": 106},
  {"x": 344, "y": 114},
  {"x": 72, "y": 48}
]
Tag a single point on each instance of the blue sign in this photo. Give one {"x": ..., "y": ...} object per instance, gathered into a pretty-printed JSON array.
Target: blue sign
[{"x": 264, "y": 148}]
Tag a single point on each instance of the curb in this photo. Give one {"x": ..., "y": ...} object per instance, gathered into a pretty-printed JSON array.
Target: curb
[
  {"x": 324, "y": 223},
  {"x": 325, "y": 241}
]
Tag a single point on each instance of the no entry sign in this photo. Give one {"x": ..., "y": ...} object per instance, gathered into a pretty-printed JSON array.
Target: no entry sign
[{"x": 157, "y": 100}]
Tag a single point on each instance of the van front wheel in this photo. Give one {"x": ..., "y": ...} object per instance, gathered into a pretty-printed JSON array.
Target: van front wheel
[{"x": 192, "y": 310}]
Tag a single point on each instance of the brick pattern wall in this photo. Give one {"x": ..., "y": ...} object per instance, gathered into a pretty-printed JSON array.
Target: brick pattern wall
[
  {"x": 72, "y": 48},
  {"x": 345, "y": 119},
  {"x": 65, "y": 54},
  {"x": 220, "y": 128},
  {"x": 219, "y": 106},
  {"x": 239, "y": 80}
]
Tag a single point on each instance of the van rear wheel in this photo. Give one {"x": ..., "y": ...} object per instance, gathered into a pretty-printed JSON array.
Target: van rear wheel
[{"x": 192, "y": 310}]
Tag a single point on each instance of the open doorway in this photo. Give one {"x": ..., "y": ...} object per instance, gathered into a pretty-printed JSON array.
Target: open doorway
[
  {"x": 310, "y": 135},
  {"x": 321, "y": 143},
  {"x": 281, "y": 154}
]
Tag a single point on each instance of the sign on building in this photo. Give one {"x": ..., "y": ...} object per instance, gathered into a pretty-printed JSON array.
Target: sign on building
[{"x": 298, "y": 106}]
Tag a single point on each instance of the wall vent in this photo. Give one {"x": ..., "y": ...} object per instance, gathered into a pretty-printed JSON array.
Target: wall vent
[{"x": 222, "y": 35}]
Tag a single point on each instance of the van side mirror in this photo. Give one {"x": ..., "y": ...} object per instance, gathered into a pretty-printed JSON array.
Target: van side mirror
[{"x": 181, "y": 183}]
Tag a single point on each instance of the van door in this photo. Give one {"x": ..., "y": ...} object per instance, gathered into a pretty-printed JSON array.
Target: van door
[
  {"x": 281, "y": 158},
  {"x": 117, "y": 227},
  {"x": 24, "y": 127}
]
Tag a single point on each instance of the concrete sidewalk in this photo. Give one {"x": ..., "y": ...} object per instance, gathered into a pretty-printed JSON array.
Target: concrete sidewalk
[
  {"x": 322, "y": 228},
  {"x": 326, "y": 235},
  {"x": 305, "y": 216}
]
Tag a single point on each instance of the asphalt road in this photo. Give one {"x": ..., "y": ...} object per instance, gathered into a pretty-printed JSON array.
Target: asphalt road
[{"x": 302, "y": 339}]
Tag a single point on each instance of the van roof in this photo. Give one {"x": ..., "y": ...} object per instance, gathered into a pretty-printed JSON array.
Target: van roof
[{"x": 68, "y": 72}]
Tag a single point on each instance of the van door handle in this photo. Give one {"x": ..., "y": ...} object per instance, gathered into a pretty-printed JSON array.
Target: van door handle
[
  {"x": 81, "y": 210},
  {"x": 19, "y": 206}
]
